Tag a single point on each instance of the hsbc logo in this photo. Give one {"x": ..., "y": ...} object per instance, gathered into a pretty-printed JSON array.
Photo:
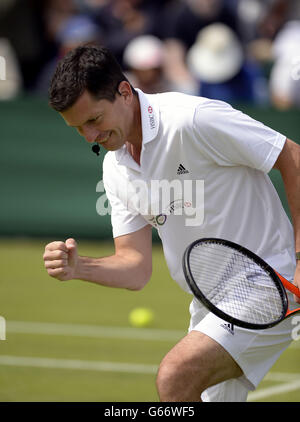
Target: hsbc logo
[{"x": 151, "y": 118}]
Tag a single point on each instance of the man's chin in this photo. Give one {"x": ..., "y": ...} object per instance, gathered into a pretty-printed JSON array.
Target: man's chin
[{"x": 111, "y": 147}]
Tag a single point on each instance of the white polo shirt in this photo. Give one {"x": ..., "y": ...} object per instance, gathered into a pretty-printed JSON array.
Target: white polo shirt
[{"x": 221, "y": 158}]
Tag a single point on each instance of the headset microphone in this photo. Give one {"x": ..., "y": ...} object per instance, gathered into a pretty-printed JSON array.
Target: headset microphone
[{"x": 96, "y": 149}]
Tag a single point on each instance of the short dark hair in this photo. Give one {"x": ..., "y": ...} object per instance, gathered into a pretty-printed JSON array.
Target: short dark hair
[{"x": 91, "y": 68}]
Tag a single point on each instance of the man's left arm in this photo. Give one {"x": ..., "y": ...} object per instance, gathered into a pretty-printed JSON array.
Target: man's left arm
[{"x": 288, "y": 163}]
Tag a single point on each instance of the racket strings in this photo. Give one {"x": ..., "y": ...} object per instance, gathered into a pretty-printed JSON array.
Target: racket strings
[{"x": 235, "y": 284}]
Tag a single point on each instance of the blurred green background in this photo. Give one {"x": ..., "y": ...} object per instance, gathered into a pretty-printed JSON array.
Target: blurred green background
[{"x": 72, "y": 341}]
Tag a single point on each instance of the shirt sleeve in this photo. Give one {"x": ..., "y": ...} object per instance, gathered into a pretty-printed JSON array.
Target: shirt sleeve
[
  {"x": 124, "y": 221},
  {"x": 230, "y": 137}
]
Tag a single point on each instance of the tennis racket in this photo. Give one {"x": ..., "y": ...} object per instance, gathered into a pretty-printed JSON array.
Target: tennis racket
[{"x": 236, "y": 285}]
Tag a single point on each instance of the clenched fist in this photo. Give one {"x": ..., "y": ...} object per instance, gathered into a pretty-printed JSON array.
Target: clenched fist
[{"x": 61, "y": 259}]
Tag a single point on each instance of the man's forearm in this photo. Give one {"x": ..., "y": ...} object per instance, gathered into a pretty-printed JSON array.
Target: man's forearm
[
  {"x": 291, "y": 178},
  {"x": 288, "y": 164},
  {"x": 293, "y": 196},
  {"x": 112, "y": 271}
]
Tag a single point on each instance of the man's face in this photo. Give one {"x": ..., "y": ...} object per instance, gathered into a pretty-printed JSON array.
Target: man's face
[{"x": 102, "y": 121}]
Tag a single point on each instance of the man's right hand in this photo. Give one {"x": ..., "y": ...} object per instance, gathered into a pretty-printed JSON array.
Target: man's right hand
[{"x": 61, "y": 259}]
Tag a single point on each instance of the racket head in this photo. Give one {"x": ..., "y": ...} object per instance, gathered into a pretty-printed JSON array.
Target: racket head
[{"x": 203, "y": 259}]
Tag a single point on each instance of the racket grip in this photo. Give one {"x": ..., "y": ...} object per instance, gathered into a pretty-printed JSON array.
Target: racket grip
[{"x": 288, "y": 285}]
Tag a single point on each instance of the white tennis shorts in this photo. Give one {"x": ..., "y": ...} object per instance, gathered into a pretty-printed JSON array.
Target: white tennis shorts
[{"x": 255, "y": 351}]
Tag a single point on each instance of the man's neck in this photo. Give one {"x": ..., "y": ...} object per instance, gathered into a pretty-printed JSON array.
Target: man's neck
[
  {"x": 135, "y": 152},
  {"x": 134, "y": 145}
]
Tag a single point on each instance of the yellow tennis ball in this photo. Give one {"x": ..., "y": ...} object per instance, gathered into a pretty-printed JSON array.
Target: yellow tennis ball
[{"x": 141, "y": 317}]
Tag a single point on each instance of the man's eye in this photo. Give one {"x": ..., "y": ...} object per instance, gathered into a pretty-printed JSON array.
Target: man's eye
[{"x": 93, "y": 120}]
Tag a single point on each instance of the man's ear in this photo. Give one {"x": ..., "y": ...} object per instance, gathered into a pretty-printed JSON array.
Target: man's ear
[{"x": 125, "y": 90}]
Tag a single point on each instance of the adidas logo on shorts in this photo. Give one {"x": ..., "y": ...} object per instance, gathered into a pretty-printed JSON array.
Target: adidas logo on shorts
[
  {"x": 182, "y": 170},
  {"x": 229, "y": 327}
]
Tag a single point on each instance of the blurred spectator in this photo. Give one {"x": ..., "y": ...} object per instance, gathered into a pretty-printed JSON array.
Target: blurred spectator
[
  {"x": 31, "y": 27},
  {"x": 217, "y": 55},
  {"x": 124, "y": 20},
  {"x": 6, "y": 5},
  {"x": 73, "y": 32},
  {"x": 146, "y": 59},
  {"x": 251, "y": 15},
  {"x": 21, "y": 23},
  {"x": 217, "y": 60},
  {"x": 260, "y": 21},
  {"x": 194, "y": 15},
  {"x": 187, "y": 19},
  {"x": 56, "y": 13},
  {"x": 277, "y": 14},
  {"x": 176, "y": 70},
  {"x": 10, "y": 75},
  {"x": 285, "y": 74},
  {"x": 91, "y": 7}
]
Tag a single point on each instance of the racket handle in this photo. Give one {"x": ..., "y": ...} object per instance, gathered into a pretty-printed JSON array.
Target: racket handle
[{"x": 288, "y": 285}]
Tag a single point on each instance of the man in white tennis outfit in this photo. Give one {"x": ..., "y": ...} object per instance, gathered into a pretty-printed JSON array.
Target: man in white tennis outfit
[{"x": 216, "y": 160}]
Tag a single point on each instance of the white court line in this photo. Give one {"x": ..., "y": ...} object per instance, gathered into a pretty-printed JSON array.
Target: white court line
[
  {"x": 271, "y": 391},
  {"x": 42, "y": 328},
  {"x": 102, "y": 366},
  {"x": 80, "y": 330},
  {"x": 295, "y": 344},
  {"x": 98, "y": 331},
  {"x": 290, "y": 382},
  {"x": 282, "y": 376},
  {"x": 77, "y": 364}
]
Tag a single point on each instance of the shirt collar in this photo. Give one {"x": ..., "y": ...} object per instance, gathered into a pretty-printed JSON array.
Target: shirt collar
[
  {"x": 149, "y": 115},
  {"x": 149, "y": 119}
]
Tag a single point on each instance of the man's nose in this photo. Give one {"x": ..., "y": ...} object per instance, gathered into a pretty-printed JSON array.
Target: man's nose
[{"x": 90, "y": 134}]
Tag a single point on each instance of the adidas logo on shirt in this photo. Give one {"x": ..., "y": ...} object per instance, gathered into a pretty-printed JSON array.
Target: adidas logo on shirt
[{"x": 182, "y": 170}]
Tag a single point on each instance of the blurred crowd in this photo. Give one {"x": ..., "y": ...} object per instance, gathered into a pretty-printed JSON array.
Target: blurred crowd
[{"x": 233, "y": 50}]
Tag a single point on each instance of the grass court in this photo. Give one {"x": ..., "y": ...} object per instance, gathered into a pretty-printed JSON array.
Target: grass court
[{"x": 71, "y": 341}]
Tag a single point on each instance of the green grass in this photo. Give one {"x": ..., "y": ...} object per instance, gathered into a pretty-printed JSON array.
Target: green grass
[
  {"x": 29, "y": 295},
  {"x": 287, "y": 364}
]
